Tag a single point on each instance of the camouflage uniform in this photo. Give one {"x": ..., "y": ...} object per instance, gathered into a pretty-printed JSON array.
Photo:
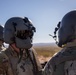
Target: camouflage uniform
[
  {"x": 28, "y": 64},
  {"x": 10, "y": 60},
  {"x": 5, "y": 63},
  {"x": 18, "y": 33},
  {"x": 63, "y": 63}
]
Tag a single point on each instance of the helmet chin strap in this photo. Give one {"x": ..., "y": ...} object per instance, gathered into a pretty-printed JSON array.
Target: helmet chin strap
[
  {"x": 15, "y": 48},
  {"x": 54, "y": 36}
]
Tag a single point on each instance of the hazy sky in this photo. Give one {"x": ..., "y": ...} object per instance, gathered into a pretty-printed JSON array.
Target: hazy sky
[{"x": 45, "y": 14}]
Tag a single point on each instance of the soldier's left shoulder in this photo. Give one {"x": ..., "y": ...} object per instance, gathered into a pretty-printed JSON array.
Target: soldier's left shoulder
[{"x": 3, "y": 57}]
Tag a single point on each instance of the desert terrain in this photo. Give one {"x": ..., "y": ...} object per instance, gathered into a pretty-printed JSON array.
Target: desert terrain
[{"x": 45, "y": 51}]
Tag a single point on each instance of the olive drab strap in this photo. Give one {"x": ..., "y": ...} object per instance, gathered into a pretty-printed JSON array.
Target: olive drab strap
[
  {"x": 20, "y": 55},
  {"x": 35, "y": 64},
  {"x": 33, "y": 61}
]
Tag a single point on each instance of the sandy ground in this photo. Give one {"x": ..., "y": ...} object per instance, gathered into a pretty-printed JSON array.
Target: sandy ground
[{"x": 43, "y": 59}]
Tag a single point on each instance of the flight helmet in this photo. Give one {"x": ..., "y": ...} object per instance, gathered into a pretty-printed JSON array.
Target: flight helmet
[
  {"x": 66, "y": 29},
  {"x": 20, "y": 31}
]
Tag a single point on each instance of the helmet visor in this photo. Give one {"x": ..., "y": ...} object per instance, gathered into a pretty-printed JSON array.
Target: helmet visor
[{"x": 23, "y": 34}]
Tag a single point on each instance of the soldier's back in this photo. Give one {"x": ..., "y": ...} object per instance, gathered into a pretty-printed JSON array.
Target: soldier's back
[{"x": 63, "y": 63}]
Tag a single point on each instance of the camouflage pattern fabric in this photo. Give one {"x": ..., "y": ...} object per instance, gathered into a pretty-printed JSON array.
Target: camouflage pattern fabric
[
  {"x": 63, "y": 63},
  {"x": 4, "y": 64},
  {"x": 13, "y": 59},
  {"x": 25, "y": 67},
  {"x": 9, "y": 63},
  {"x": 70, "y": 67}
]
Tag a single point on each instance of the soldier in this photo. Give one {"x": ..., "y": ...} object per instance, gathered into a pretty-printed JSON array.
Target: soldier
[
  {"x": 18, "y": 33},
  {"x": 1, "y": 37},
  {"x": 64, "y": 62},
  {"x": 3, "y": 56}
]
